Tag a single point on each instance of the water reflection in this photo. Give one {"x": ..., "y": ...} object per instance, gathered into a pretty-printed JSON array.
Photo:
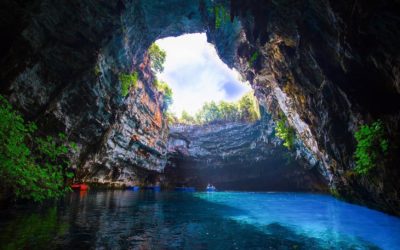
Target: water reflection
[
  {"x": 32, "y": 230},
  {"x": 149, "y": 220}
]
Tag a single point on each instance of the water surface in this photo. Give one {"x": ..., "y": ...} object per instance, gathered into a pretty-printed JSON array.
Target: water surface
[{"x": 221, "y": 220}]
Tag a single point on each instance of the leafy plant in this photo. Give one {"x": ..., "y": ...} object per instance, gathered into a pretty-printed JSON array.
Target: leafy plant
[
  {"x": 222, "y": 16},
  {"x": 127, "y": 81},
  {"x": 157, "y": 58},
  {"x": 253, "y": 58},
  {"x": 335, "y": 193},
  {"x": 166, "y": 90},
  {"x": 36, "y": 174},
  {"x": 372, "y": 146},
  {"x": 97, "y": 70},
  {"x": 285, "y": 132}
]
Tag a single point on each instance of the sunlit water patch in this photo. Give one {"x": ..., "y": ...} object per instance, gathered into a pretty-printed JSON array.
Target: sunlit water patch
[
  {"x": 330, "y": 221},
  {"x": 222, "y": 220}
]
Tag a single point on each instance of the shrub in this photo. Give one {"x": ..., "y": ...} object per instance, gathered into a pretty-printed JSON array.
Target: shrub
[
  {"x": 97, "y": 70},
  {"x": 166, "y": 90},
  {"x": 285, "y": 132},
  {"x": 35, "y": 174},
  {"x": 222, "y": 16},
  {"x": 253, "y": 58},
  {"x": 157, "y": 58},
  {"x": 127, "y": 81},
  {"x": 372, "y": 146}
]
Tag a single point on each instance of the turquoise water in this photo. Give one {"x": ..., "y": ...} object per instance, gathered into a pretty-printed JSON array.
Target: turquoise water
[{"x": 176, "y": 220}]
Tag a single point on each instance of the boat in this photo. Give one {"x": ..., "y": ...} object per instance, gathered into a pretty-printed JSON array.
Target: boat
[
  {"x": 211, "y": 188},
  {"x": 80, "y": 186},
  {"x": 153, "y": 188},
  {"x": 185, "y": 189},
  {"x": 134, "y": 188}
]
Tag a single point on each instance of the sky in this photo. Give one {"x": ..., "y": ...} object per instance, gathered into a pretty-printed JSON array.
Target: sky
[{"x": 196, "y": 74}]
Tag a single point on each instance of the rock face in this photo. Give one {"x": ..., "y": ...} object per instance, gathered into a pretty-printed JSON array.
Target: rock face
[
  {"x": 236, "y": 156},
  {"x": 329, "y": 65},
  {"x": 62, "y": 71},
  {"x": 136, "y": 142}
]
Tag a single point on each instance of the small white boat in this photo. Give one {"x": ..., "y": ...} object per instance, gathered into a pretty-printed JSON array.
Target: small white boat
[{"x": 211, "y": 188}]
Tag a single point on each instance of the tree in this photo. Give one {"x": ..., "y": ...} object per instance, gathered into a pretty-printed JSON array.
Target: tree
[
  {"x": 171, "y": 118},
  {"x": 229, "y": 111},
  {"x": 249, "y": 108},
  {"x": 211, "y": 112},
  {"x": 246, "y": 109},
  {"x": 186, "y": 118},
  {"x": 157, "y": 58},
  {"x": 166, "y": 90}
]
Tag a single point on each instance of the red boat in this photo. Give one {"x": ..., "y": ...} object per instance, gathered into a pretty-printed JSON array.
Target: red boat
[{"x": 81, "y": 187}]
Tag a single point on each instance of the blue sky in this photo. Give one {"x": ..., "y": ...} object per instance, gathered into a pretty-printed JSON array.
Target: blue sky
[{"x": 196, "y": 74}]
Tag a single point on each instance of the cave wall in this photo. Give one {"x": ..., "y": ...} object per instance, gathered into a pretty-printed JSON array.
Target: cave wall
[
  {"x": 239, "y": 156},
  {"x": 61, "y": 64},
  {"x": 329, "y": 65}
]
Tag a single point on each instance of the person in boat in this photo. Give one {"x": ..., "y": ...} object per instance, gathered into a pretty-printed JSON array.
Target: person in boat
[{"x": 210, "y": 187}]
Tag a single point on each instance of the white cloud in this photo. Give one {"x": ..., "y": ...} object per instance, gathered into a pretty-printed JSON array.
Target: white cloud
[{"x": 196, "y": 74}]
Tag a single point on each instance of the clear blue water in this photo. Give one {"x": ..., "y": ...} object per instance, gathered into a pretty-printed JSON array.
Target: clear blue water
[{"x": 221, "y": 220}]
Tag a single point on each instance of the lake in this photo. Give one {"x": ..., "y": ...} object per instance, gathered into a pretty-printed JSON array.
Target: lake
[{"x": 198, "y": 220}]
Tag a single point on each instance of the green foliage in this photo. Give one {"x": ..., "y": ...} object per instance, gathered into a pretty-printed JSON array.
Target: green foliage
[
  {"x": 334, "y": 192},
  {"x": 222, "y": 16},
  {"x": 186, "y": 118},
  {"x": 249, "y": 107},
  {"x": 35, "y": 174},
  {"x": 171, "y": 118},
  {"x": 157, "y": 58},
  {"x": 253, "y": 58},
  {"x": 127, "y": 81},
  {"x": 209, "y": 112},
  {"x": 97, "y": 70},
  {"x": 246, "y": 109},
  {"x": 166, "y": 90},
  {"x": 285, "y": 132},
  {"x": 372, "y": 146}
]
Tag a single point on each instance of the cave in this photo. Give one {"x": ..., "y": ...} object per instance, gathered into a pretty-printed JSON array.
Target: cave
[
  {"x": 231, "y": 153},
  {"x": 330, "y": 69}
]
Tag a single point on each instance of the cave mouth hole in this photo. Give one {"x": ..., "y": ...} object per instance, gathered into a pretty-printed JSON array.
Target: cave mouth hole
[{"x": 197, "y": 76}]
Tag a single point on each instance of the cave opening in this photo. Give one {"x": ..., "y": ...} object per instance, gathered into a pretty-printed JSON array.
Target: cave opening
[
  {"x": 218, "y": 132},
  {"x": 198, "y": 77}
]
